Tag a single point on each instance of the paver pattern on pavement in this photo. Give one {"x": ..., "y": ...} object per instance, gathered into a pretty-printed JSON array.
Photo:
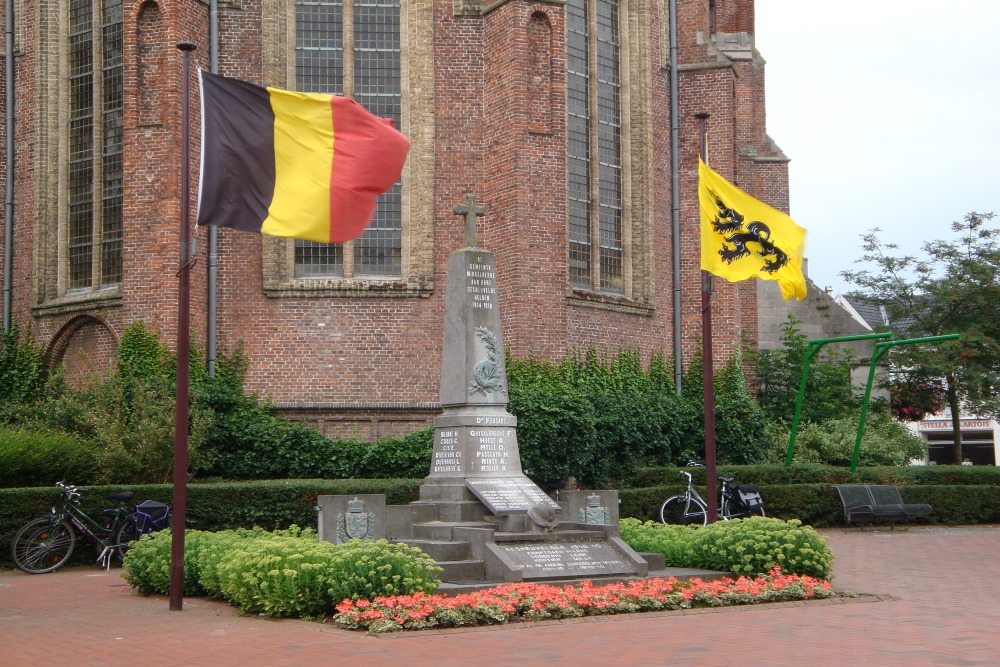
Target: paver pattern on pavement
[{"x": 929, "y": 596}]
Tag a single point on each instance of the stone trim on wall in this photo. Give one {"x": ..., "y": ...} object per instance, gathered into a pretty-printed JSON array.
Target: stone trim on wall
[
  {"x": 50, "y": 265},
  {"x": 417, "y": 78}
]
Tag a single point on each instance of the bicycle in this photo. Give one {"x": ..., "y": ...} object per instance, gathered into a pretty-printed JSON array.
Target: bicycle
[
  {"x": 46, "y": 544},
  {"x": 689, "y": 508}
]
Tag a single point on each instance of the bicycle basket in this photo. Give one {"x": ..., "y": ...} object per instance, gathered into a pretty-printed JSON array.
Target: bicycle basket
[
  {"x": 750, "y": 496},
  {"x": 151, "y": 516}
]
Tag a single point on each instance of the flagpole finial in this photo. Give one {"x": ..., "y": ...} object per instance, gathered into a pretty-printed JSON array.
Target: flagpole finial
[{"x": 186, "y": 46}]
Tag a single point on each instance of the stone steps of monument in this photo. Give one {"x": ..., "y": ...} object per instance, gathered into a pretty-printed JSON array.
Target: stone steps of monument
[
  {"x": 557, "y": 535},
  {"x": 442, "y": 530},
  {"x": 462, "y": 571},
  {"x": 442, "y": 550},
  {"x": 455, "y": 510}
]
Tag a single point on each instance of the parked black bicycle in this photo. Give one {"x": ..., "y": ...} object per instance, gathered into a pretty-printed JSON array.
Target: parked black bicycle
[
  {"x": 45, "y": 544},
  {"x": 735, "y": 502}
]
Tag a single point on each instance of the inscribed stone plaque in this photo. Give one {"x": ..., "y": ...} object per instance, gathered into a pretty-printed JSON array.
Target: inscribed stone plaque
[
  {"x": 564, "y": 559},
  {"x": 504, "y": 495}
]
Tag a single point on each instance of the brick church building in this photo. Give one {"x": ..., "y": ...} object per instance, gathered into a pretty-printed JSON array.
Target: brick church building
[{"x": 554, "y": 115}]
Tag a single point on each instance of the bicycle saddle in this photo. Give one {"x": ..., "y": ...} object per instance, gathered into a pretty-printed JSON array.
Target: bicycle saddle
[
  {"x": 121, "y": 497},
  {"x": 727, "y": 480}
]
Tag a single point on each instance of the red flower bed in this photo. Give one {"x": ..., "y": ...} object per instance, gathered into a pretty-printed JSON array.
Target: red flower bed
[{"x": 509, "y": 603}]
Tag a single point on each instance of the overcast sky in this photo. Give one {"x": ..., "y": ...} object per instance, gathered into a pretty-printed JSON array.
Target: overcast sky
[{"x": 890, "y": 113}]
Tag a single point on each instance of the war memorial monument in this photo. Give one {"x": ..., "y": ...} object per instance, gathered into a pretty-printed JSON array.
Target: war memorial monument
[{"x": 479, "y": 516}]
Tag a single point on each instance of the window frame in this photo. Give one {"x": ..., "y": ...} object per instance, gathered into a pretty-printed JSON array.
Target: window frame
[
  {"x": 53, "y": 288},
  {"x": 416, "y": 77},
  {"x": 635, "y": 76}
]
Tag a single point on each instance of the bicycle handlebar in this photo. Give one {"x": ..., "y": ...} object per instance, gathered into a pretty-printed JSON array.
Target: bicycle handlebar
[{"x": 70, "y": 493}]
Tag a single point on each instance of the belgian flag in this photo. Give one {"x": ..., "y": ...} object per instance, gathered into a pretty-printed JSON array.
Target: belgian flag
[{"x": 299, "y": 165}]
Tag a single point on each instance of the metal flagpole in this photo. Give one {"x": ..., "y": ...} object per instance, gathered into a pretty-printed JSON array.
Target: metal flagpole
[
  {"x": 183, "y": 351},
  {"x": 707, "y": 370}
]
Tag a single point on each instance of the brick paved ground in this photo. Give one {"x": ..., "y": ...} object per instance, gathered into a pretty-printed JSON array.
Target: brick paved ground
[{"x": 934, "y": 600}]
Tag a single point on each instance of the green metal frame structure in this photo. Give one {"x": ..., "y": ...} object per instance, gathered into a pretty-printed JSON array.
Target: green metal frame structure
[
  {"x": 812, "y": 349},
  {"x": 877, "y": 354}
]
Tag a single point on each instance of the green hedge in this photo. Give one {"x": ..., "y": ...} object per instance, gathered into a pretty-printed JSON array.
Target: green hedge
[
  {"x": 34, "y": 456},
  {"x": 221, "y": 506},
  {"x": 807, "y": 473},
  {"x": 819, "y": 505}
]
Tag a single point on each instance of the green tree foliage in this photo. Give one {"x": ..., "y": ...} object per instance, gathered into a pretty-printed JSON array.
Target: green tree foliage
[
  {"x": 954, "y": 287},
  {"x": 593, "y": 417},
  {"x": 885, "y": 442},
  {"x": 740, "y": 424},
  {"x": 829, "y": 392},
  {"x": 130, "y": 415},
  {"x": 22, "y": 371}
]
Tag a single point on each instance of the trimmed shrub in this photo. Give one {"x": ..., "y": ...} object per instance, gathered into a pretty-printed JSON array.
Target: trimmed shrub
[
  {"x": 282, "y": 573},
  {"x": 147, "y": 563},
  {"x": 743, "y": 546},
  {"x": 811, "y": 473},
  {"x": 366, "y": 570},
  {"x": 42, "y": 457},
  {"x": 407, "y": 456},
  {"x": 756, "y": 545},
  {"x": 219, "y": 506}
]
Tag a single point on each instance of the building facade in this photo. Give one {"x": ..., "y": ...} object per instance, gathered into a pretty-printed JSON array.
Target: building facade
[{"x": 554, "y": 115}]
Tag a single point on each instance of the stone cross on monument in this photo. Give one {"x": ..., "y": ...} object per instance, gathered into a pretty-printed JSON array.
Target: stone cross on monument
[{"x": 469, "y": 209}]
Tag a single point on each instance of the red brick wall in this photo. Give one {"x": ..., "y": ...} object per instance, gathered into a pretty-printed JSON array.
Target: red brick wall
[
  {"x": 493, "y": 138},
  {"x": 87, "y": 349}
]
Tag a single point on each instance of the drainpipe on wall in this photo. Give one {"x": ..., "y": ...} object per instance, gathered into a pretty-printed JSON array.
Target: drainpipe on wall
[
  {"x": 675, "y": 194},
  {"x": 8, "y": 205},
  {"x": 213, "y": 231}
]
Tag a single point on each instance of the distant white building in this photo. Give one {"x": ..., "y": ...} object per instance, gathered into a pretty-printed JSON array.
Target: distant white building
[{"x": 980, "y": 439}]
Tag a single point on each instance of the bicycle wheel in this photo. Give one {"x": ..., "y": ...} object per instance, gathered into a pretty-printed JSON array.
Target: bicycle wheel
[
  {"x": 127, "y": 532},
  {"x": 43, "y": 545},
  {"x": 683, "y": 511}
]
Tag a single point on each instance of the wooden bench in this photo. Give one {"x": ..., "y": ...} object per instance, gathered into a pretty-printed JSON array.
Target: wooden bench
[{"x": 871, "y": 503}]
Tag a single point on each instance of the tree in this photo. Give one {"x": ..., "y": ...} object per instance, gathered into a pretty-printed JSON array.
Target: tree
[
  {"x": 829, "y": 391},
  {"x": 953, "y": 288}
]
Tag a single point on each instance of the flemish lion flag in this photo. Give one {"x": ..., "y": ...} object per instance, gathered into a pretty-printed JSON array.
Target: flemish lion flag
[
  {"x": 299, "y": 165},
  {"x": 742, "y": 237}
]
